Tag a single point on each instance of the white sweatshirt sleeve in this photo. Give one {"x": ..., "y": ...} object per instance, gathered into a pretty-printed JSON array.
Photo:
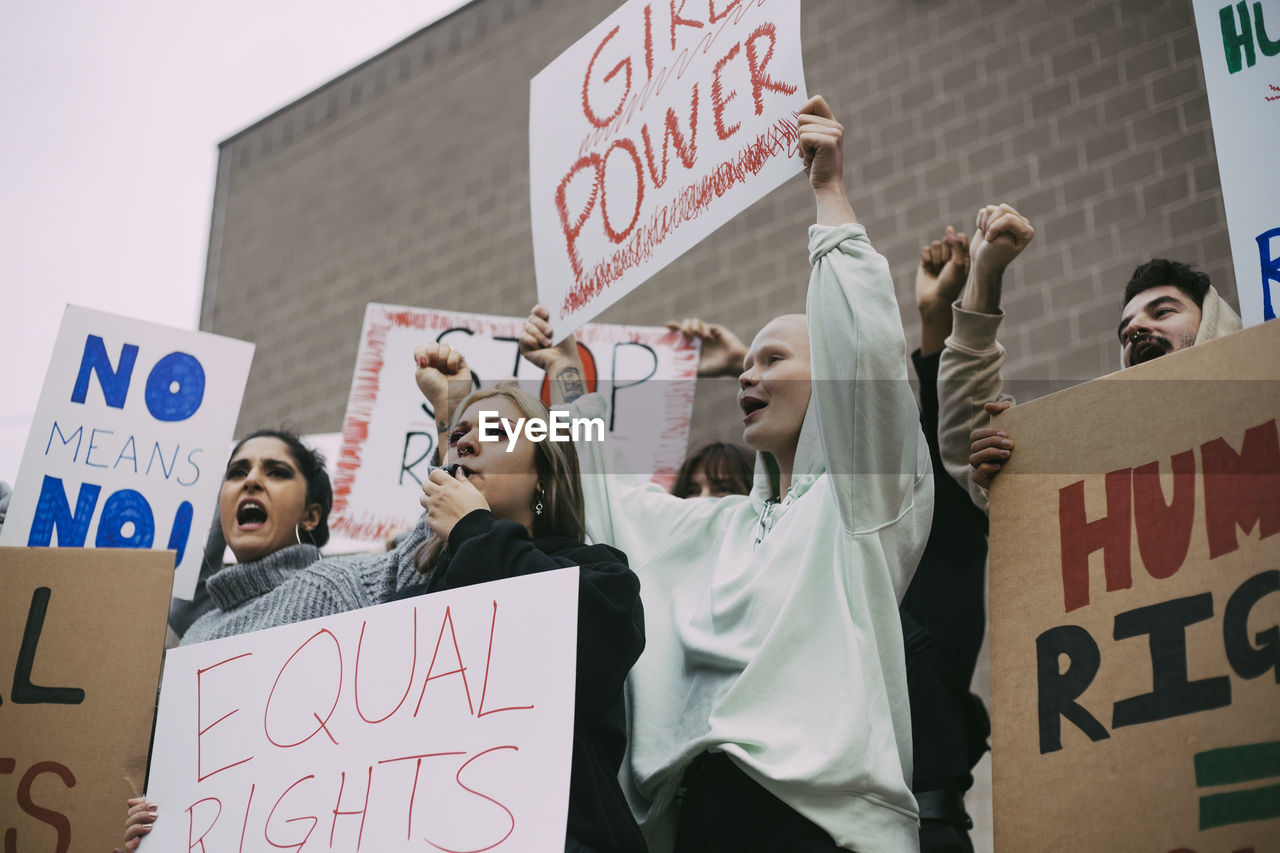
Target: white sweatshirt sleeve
[{"x": 868, "y": 420}]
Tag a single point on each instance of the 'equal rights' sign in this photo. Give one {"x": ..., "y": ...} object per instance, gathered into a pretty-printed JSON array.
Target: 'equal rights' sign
[
  {"x": 128, "y": 442},
  {"x": 443, "y": 722},
  {"x": 649, "y": 133}
]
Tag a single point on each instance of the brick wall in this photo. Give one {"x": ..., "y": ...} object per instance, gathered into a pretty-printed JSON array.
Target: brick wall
[{"x": 406, "y": 181}]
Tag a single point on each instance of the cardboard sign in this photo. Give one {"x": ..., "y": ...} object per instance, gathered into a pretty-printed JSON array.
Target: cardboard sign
[
  {"x": 1240, "y": 49},
  {"x": 81, "y": 637},
  {"x": 389, "y": 432},
  {"x": 442, "y": 722},
  {"x": 649, "y": 133},
  {"x": 126, "y": 448},
  {"x": 1135, "y": 594}
]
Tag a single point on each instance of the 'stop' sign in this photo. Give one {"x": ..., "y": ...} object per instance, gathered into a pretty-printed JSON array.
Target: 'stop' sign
[
  {"x": 650, "y": 132},
  {"x": 127, "y": 444}
]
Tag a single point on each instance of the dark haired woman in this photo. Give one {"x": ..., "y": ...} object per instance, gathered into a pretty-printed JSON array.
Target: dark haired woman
[
  {"x": 274, "y": 505},
  {"x": 716, "y": 469}
]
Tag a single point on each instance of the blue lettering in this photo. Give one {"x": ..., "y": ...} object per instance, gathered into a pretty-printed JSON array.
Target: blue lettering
[
  {"x": 175, "y": 387},
  {"x": 126, "y": 508},
  {"x": 93, "y": 438},
  {"x": 191, "y": 458},
  {"x": 181, "y": 530},
  {"x": 167, "y": 469},
  {"x": 114, "y": 381},
  {"x": 77, "y": 435},
  {"x": 1270, "y": 270},
  {"x": 53, "y": 512},
  {"x": 130, "y": 452}
]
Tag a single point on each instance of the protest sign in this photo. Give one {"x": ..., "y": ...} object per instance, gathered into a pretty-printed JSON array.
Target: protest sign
[
  {"x": 442, "y": 722},
  {"x": 81, "y": 637},
  {"x": 1135, "y": 594},
  {"x": 389, "y": 432},
  {"x": 126, "y": 448},
  {"x": 1240, "y": 50},
  {"x": 649, "y": 133}
]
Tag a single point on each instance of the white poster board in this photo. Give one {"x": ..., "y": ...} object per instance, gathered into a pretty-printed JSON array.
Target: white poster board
[
  {"x": 442, "y": 722},
  {"x": 1240, "y": 49},
  {"x": 649, "y": 133},
  {"x": 389, "y": 432},
  {"x": 127, "y": 445}
]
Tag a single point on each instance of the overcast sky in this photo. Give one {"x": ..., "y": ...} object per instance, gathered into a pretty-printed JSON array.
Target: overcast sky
[{"x": 113, "y": 112}]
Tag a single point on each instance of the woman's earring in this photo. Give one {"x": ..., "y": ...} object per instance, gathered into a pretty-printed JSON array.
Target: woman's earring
[
  {"x": 296, "y": 534},
  {"x": 537, "y": 502}
]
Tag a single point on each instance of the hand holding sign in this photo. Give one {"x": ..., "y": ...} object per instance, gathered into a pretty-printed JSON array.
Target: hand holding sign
[
  {"x": 722, "y": 351},
  {"x": 561, "y": 361},
  {"x": 538, "y": 345},
  {"x": 822, "y": 144}
]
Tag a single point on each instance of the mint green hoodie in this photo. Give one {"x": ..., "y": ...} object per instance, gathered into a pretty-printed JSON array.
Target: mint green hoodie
[{"x": 772, "y": 627}]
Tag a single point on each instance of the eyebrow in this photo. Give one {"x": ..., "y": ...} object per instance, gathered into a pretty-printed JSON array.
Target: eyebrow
[
  {"x": 1159, "y": 300},
  {"x": 269, "y": 460}
]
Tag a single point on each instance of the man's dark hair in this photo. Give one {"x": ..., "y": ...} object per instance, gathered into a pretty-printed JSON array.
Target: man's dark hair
[{"x": 1161, "y": 271}]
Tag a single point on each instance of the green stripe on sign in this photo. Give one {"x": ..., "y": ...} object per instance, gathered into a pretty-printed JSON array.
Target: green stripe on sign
[
  {"x": 1239, "y": 807},
  {"x": 1238, "y": 764}
]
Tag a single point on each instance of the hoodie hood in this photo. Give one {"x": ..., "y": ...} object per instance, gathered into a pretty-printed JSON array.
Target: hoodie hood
[{"x": 1217, "y": 318}]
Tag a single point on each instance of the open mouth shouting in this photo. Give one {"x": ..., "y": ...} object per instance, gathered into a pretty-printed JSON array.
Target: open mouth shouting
[
  {"x": 751, "y": 407},
  {"x": 1147, "y": 348},
  {"x": 251, "y": 514}
]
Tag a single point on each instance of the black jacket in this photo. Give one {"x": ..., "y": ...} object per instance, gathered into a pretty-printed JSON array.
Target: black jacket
[
  {"x": 610, "y": 639},
  {"x": 944, "y": 616}
]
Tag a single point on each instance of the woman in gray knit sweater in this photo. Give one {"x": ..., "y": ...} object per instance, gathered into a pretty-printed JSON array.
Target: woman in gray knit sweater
[{"x": 274, "y": 507}]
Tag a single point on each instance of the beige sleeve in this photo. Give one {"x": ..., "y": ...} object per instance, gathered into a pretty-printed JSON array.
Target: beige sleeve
[{"x": 969, "y": 375}]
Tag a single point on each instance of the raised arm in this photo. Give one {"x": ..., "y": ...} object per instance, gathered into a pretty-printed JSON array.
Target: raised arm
[
  {"x": 970, "y": 374},
  {"x": 444, "y": 379},
  {"x": 867, "y": 415},
  {"x": 560, "y": 361}
]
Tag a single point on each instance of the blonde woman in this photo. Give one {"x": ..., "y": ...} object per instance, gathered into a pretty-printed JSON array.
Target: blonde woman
[{"x": 497, "y": 514}]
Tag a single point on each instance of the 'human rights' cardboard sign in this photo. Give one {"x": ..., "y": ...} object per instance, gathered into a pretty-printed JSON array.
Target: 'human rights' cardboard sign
[
  {"x": 1135, "y": 598},
  {"x": 442, "y": 722},
  {"x": 128, "y": 443},
  {"x": 649, "y": 133}
]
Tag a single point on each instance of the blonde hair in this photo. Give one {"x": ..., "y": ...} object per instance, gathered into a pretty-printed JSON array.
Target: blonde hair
[{"x": 564, "y": 512}]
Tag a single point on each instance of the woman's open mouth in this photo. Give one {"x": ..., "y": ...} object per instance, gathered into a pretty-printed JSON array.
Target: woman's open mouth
[{"x": 250, "y": 515}]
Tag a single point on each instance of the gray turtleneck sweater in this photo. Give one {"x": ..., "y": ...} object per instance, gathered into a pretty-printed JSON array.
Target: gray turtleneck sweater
[{"x": 295, "y": 584}]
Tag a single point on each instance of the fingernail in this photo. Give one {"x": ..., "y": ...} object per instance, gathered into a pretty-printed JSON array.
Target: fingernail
[
  {"x": 1006, "y": 443},
  {"x": 422, "y": 362}
]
